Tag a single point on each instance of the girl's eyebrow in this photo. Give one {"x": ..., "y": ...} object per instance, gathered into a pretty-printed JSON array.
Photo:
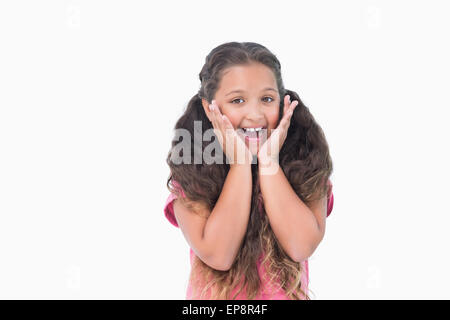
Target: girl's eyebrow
[{"x": 237, "y": 91}]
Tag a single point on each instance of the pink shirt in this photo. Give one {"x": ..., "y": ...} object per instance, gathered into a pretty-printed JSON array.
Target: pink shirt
[{"x": 267, "y": 293}]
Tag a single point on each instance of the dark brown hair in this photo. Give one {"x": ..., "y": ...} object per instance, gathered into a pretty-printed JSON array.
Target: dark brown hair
[{"x": 304, "y": 159}]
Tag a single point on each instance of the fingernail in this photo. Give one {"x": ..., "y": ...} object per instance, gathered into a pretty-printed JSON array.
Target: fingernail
[{"x": 211, "y": 108}]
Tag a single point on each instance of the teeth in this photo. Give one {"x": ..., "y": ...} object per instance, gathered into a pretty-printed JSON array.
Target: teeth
[{"x": 252, "y": 129}]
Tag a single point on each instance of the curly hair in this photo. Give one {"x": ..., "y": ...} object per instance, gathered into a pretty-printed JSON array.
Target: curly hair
[{"x": 304, "y": 158}]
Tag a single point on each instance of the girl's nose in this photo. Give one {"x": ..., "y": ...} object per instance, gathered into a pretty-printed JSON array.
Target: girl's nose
[
  {"x": 255, "y": 114},
  {"x": 255, "y": 118}
]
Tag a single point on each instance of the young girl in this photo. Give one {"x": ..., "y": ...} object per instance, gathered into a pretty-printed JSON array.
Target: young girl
[{"x": 253, "y": 218}]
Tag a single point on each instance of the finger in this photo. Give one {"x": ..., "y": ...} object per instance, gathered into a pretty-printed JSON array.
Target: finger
[
  {"x": 213, "y": 116},
  {"x": 218, "y": 115},
  {"x": 220, "y": 130},
  {"x": 216, "y": 107},
  {"x": 216, "y": 124},
  {"x": 285, "y": 109},
  {"x": 293, "y": 105},
  {"x": 227, "y": 123},
  {"x": 286, "y": 120},
  {"x": 290, "y": 108},
  {"x": 287, "y": 115},
  {"x": 286, "y": 103}
]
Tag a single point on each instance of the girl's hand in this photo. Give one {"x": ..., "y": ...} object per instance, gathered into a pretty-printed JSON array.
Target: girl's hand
[
  {"x": 269, "y": 151},
  {"x": 232, "y": 144}
]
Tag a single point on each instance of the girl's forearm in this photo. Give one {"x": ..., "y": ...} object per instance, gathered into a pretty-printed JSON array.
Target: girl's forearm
[
  {"x": 292, "y": 222},
  {"x": 227, "y": 223}
]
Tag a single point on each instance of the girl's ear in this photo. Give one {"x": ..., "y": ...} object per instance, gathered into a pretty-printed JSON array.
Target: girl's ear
[{"x": 205, "y": 104}]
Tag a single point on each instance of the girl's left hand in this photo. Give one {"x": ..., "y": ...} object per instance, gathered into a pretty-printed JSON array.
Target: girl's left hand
[{"x": 270, "y": 150}]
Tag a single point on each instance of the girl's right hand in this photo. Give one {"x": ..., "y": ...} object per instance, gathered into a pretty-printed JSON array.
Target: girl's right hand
[{"x": 232, "y": 144}]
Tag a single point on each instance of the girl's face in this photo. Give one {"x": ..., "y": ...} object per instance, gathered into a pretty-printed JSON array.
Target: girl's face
[{"x": 248, "y": 96}]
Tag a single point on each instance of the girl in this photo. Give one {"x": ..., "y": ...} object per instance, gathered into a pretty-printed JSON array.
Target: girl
[{"x": 253, "y": 218}]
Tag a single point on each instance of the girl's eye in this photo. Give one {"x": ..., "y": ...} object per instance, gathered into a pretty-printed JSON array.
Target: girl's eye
[{"x": 233, "y": 101}]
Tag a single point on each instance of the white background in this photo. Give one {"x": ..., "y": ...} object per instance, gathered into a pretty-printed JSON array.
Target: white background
[{"x": 90, "y": 92}]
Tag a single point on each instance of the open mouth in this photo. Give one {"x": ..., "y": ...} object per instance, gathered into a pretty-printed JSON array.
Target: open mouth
[{"x": 253, "y": 134}]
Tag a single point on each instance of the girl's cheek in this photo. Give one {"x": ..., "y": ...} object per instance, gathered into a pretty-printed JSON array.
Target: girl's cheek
[
  {"x": 273, "y": 119},
  {"x": 233, "y": 118}
]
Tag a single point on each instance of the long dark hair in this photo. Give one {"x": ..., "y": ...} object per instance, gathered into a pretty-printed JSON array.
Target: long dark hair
[{"x": 304, "y": 159}]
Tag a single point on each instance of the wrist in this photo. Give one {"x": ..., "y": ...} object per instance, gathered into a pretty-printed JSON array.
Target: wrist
[
  {"x": 268, "y": 165},
  {"x": 243, "y": 160},
  {"x": 268, "y": 159},
  {"x": 240, "y": 165}
]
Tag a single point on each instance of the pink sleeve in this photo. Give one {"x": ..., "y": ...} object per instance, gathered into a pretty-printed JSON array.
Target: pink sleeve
[
  {"x": 168, "y": 207},
  {"x": 330, "y": 198}
]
